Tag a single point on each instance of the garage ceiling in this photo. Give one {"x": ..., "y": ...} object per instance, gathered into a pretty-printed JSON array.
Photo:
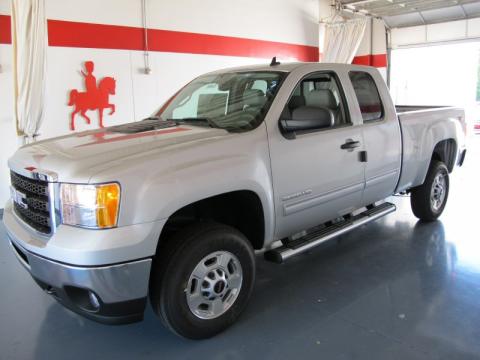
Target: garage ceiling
[{"x": 401, "y": 13}]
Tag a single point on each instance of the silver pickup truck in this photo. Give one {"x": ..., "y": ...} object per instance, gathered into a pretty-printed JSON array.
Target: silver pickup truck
[{"x": 274, "y": 159}]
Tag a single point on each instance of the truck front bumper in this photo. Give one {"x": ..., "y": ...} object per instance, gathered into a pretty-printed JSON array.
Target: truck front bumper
[{"x": 113, "y": 294}]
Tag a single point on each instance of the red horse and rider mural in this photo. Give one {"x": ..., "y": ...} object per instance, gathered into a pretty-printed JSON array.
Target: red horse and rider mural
[{"x": 94, "y": 98}]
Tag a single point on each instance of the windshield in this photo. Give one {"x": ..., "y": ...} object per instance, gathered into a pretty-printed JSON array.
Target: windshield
[{"x": 232, "y": 101}]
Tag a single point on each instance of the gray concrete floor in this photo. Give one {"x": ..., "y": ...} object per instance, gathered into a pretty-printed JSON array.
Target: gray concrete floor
[{"x": 394, "y": 289}]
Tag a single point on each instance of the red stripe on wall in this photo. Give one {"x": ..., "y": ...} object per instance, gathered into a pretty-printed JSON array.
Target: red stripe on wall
[
  {"x": 377, "y": 60},
  {"x": 361, "y": 60},
  {"x": 5, "y": 30},
  {"x": 87, "y": 35},
  {"x": 100, "y": 36}
]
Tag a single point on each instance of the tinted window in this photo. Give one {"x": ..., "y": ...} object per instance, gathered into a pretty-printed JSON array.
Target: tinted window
[
  {"x": 318, "y": 91},
  {"x": 367, "y": 96}
]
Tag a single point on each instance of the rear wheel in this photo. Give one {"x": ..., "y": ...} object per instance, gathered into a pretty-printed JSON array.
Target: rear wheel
[
  {"x": 429, "y": 199},
  {"x": 202, "y": 280}
]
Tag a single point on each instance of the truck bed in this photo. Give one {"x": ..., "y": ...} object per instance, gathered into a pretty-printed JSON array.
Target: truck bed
[{"x": 423, "y": 127}]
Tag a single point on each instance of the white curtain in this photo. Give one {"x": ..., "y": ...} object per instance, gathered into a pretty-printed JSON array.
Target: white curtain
[
  {"x": 29, "y": 40},
  {"x": 339, "y": 40}
]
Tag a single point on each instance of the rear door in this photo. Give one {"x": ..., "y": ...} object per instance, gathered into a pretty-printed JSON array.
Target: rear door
[
  {"x": 316, "y": 176},
  {"x": 381, "y": 134}
]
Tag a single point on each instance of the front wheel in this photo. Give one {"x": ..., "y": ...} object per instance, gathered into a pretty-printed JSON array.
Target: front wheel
[
  {"x": 429, "y": 199},
  {"x": 203, "y": 280}
]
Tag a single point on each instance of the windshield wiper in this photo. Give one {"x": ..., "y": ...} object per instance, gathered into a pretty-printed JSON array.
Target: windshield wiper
[{"x": 194, "y": 120}]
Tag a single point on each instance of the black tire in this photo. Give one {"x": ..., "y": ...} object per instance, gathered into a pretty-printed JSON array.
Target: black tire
[
  {"x": 174, "y": 265},
  {"x": 420, "y": 199}
]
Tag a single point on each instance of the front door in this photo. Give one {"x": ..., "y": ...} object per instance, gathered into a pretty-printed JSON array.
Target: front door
[{"x": 317, "y": 175}]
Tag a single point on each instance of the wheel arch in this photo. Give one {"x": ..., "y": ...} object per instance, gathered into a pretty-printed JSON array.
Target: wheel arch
[
  {"x": 241, "y": 209},
  {"x": 445, "y": 151}
]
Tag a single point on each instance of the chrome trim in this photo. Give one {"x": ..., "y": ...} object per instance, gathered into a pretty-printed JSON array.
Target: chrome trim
[
  {"x": 285, "y": 253},
  {"x": 297, "y": 195},
  {"x": 289, "y": 209},
  {"x": 53, "y": 200},
  {"x": 55, "y": 217},
  {"x": 37, "y": 174}
]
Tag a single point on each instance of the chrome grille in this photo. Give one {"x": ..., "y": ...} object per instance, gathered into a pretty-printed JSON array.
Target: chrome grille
[
  {"x": 35, "y": 187},
  {"x": 37, "y": 213}
]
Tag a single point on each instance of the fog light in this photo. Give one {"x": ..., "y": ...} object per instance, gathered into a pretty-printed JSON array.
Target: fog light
[{"x": 94, "y": 300}]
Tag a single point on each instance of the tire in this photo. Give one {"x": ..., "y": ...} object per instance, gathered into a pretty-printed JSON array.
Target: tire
[
  {"x": 199, "y": 301},
  {"x": 429, "y": 199}
]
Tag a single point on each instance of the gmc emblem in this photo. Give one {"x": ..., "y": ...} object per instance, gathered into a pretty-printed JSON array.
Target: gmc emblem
[{"x": 18, "y": 197}]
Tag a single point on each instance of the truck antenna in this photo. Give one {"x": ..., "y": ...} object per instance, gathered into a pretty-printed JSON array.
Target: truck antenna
[{"x": 274, "y": 61}]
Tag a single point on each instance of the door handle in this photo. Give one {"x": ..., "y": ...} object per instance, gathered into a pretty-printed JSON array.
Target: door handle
[{"x": 350, "y": 145}]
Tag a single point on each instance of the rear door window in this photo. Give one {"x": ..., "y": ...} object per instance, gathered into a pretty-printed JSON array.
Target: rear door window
[{"x": 367, "y": 95}]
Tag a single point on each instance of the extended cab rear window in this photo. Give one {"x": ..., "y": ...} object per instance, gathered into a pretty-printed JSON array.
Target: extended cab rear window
[{"x": 367, "y": 95}]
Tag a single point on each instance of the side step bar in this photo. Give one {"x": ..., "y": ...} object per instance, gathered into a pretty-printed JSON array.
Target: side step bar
[{"x": 309, "y": 241}]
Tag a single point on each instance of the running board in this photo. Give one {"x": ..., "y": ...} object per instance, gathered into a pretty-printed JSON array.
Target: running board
[{"x": 315, "y": 238}]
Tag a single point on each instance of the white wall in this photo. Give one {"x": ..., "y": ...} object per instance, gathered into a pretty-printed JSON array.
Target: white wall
[
  {"x": 373, "y": 45},
  {"x": 290, "y": 21},
  {"x": 137, "y": 94}
]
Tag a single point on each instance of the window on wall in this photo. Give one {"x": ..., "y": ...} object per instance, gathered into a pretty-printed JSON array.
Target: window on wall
[
  {"x": 419, "y": 75},
  {"x": 367, "y": 95}
]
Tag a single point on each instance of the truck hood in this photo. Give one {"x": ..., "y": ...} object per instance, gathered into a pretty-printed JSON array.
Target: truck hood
[{"x": 77, "y": 157}]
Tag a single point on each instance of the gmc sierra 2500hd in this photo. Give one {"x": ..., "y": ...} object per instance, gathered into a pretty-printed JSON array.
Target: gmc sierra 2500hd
[{"x": 276, "y": 158}]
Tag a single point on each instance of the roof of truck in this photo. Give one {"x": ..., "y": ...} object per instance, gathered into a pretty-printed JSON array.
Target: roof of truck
[{"x": 284, "y": 67}]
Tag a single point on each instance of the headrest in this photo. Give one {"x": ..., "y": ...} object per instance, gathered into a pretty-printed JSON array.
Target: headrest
[
  {"x": 296, "y": 101},
  {"x": 306, "y": 113},
  {"x": 322, "y": 97},
  {"x": 254, "y": 98}
]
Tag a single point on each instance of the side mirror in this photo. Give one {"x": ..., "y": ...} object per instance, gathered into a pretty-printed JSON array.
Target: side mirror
[{"x": 306, "y": 118}]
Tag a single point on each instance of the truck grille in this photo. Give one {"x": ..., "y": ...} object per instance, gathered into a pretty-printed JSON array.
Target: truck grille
[{"x": 37, "y": 210}]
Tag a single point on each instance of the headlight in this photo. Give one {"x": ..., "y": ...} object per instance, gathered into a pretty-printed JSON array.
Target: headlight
[{"x": 92, "y": 206}]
